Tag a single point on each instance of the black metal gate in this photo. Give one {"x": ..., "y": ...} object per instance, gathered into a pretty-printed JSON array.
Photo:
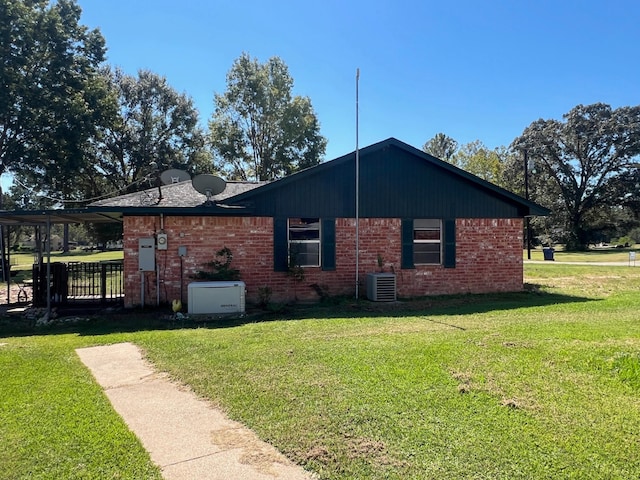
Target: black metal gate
[{"x": 79, "y": 282}]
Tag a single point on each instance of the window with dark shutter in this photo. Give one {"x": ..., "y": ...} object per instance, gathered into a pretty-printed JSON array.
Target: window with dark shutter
[
  {"x": 280, "y": 245},
  {"x": 328, "y": 244},
  {"x": 407, "y": 244},
  {"x": 449, "y": 243},
  {"x": 428, "y": 241}
]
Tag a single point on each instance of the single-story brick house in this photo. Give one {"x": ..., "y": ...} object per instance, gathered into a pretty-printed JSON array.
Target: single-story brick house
[{"x": 440, "y": 229}]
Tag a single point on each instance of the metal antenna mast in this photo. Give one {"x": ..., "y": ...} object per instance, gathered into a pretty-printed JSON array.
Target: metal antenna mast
[{"x": 357, "y": 194}]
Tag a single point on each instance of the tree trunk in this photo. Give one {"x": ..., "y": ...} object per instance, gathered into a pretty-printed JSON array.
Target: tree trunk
[
  {"x": 5, "y": 263},
  {"x": 577, "y": 240}
]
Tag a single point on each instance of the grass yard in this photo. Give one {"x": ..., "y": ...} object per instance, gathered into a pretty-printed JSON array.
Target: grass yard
[{"x": 540, "y": 384}]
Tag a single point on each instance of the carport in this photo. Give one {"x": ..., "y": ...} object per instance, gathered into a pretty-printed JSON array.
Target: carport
[{"x": 44, "y": 219}]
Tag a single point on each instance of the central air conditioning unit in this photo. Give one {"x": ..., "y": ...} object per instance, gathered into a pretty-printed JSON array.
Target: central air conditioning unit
[
  {"x": 216, "y": 297},
  {"x": 381, "y": 287}
]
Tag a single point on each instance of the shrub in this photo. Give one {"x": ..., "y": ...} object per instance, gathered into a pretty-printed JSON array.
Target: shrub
[{"x": 220, "y": 267}]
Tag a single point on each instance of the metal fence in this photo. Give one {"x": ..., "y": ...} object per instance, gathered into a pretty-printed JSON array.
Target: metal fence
[{"x": 79, "y": 282}]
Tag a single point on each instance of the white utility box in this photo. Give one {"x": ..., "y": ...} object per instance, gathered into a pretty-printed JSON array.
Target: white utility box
[{"x": 216, "y": 297}]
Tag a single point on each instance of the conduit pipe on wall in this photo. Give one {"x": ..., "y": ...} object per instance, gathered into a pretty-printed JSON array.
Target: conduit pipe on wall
[{"x": 157, "y": 263}]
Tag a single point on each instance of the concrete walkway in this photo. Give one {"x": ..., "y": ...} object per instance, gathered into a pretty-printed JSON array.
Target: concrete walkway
[{"x": 185, "y": 436}]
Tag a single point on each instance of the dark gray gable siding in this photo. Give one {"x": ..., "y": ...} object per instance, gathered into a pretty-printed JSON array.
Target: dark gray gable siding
[
  {"x": 396, "y": 181},
  {"x": 316, "y": 192}
]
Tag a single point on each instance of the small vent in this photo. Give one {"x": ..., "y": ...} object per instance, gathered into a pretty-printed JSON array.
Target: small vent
[{"x": 381, "y": 287}]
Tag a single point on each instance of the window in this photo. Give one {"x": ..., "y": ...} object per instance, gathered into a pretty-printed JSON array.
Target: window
[
  {"x": 427, "y": 241},
  {"x": 304, "y": 242}
]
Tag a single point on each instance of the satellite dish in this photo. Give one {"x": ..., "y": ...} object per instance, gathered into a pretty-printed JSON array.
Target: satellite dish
[
  {"x": 174, "y": 175},
  {"x": 208, "y": 185}
]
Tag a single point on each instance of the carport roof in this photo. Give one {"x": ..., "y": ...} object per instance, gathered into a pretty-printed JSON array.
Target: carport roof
[
  {"x": 42, "y": 217},
  {"x": 112, "y": 214}
]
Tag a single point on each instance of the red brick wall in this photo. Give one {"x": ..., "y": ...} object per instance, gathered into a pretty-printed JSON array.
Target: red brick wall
[{"x": 488, "y": 258}]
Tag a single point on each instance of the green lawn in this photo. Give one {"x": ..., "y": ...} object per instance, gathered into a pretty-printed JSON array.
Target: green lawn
[{"x": 542, "y": 384}]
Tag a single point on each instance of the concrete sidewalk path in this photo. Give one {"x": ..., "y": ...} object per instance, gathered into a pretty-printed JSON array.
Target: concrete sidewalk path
[{"x": 185, "y": 436}]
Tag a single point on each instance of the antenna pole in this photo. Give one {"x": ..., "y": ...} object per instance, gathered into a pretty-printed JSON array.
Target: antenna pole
[{"x": 357, "y": 193}]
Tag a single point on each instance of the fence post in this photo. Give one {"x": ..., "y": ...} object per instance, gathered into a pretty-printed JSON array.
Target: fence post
[{"x": 103, "y": 283}]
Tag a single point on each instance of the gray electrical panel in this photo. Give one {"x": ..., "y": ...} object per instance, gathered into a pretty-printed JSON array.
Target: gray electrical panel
[{"x": 146, "y": 254}]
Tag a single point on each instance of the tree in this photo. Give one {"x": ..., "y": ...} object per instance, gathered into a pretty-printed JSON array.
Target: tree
[
  {"x": 472, "y": 157},
  {"x": 477, "y": 159},
  {"x": 441, "y": 146},
  {"x": 52, "y": 97},
  {"x": 625, "y": 191},
  {"x": 584, "y": 156},
  {"x": 155, "y": 128},
  {"x": 258, "y": 130}
]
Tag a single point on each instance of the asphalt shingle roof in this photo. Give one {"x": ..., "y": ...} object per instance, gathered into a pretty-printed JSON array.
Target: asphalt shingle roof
[{"x": 175, "y": 195}]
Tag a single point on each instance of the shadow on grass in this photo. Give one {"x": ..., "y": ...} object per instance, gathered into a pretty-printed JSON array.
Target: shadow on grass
[{"x": 342, "y": 307}]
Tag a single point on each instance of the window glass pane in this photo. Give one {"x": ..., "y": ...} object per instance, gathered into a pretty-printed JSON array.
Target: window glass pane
[
  {"x": 305, "y": 254},
  {"x": 304, "y": 242},
  {"x": 431, "y": 235},
  {"x": 304, "y": 229},
  {"x": 426, "y": 223},
  {"x": 426, "y": 258},
  {"x": 426, "y": 253},
  {"x": 426, "y": 247}
]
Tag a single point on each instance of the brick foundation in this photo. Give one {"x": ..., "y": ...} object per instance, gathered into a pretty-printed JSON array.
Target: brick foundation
[{"x": 488, "y": 258}]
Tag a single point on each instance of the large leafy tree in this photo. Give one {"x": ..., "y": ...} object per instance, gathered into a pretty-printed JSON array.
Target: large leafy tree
[
  {"x": 473, "y": 157},
  {"x": 52, "y": 97},
  {"x": 476, "y": 158},
  {"x": 441, "y": 146},
  {"x": 585, "y": 156},
  {"x": 156, "y": 128},
  {"x": 259, "y": 130}
]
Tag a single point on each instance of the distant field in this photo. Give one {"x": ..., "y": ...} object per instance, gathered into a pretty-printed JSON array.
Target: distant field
[{"x": 596, "y": 255}]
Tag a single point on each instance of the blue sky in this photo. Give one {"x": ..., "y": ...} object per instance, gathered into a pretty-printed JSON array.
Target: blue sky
[{"x": 470, "y": 69}]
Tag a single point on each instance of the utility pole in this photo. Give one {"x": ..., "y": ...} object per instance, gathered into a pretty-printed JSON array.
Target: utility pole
[{"x": 527, "y": 219}]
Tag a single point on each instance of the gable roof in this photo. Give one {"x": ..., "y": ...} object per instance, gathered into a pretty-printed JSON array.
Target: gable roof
[{"x": 396, "y": 180}]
